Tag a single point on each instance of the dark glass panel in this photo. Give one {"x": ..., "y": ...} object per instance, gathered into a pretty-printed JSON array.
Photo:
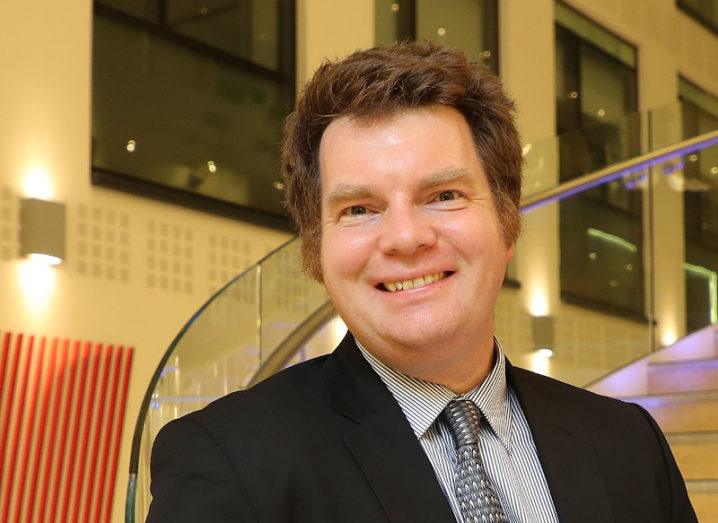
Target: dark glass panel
[
  {"x": 183, "y": 106},
  {"x": 471, "y": 25},
  {"x": 598, "y": 125},
  {"x": 601, "y": 256},
  {"x": 700, "y": 207},
  {"x": 705, "y": 11}
]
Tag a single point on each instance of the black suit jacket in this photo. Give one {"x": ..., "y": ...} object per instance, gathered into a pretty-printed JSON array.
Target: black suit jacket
[{"x": 325, "y": 441}]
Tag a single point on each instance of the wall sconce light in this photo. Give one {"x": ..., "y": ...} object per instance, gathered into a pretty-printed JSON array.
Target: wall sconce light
[
  {"x": 542, "y": 328},
  {"x": 42, "y": 230}
]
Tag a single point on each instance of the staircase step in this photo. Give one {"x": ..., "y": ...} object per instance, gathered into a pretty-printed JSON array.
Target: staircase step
[
  {"x": 704, "y": 497},
  {"x": 696, "y": 453},
  {"x": 683, "y": 376},
  {"x": 682, "y": 411}
]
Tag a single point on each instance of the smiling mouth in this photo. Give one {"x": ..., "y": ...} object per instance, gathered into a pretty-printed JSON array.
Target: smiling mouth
[{"x": 415, "y": 283}]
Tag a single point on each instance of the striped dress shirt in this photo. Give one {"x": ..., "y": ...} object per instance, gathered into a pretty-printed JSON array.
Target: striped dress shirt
[{"x": 506, "y": 445}]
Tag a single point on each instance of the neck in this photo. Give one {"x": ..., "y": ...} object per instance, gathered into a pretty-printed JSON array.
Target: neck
[{"x": 461, "y": 373}]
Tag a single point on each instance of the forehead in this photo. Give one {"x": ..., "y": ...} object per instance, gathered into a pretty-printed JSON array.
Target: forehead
[{"x": 400, "y": 147}]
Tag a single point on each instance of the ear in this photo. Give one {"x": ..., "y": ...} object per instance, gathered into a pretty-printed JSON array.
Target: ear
[{"x": 510, "y": 253}]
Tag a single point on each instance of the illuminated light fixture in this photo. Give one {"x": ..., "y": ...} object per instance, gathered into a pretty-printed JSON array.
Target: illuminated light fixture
[
  {"x": 278, "y": 185},
  {"x": 545, "y": 352},
  {"x": 712, "y": 278},
  {"x": 611, "y": 238},
  {"x": 539, "y": 302},
  {"x": 42, "y": 230},
  {"x": 211, "y": 166},
  {"x": 441, "y": 31},
  {"x": 36, "y": 183},
  {"x": 131, "y": 146},
  {"x": 44, "y": 259},
  {"x": 542, "y": 330}
]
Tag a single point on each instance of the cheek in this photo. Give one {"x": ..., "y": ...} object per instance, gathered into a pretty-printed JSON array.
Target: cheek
[{"x": 344, "y": 253}]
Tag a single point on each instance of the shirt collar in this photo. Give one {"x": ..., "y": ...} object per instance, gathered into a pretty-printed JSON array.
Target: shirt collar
[{"x": 422, "y": 401}]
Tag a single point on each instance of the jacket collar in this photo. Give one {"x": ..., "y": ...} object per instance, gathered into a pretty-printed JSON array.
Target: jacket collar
[
  {"x": 386, "y": 449},
  {"x": 569, "y": 463},
  {"x": 381, "y": 440}
]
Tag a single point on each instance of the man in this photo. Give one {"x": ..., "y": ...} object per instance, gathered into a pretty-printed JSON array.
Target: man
[{"x": 403, "y": 171}]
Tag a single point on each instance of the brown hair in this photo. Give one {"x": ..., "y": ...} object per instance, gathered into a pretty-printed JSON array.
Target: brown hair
[{"x": 379, "y": 82}]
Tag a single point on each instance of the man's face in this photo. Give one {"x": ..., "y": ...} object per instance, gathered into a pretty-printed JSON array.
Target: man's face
[{"x": 412, "y": 251}]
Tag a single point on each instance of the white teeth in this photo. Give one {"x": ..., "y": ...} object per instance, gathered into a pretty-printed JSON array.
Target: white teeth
[{"x": 415, "y": 283}]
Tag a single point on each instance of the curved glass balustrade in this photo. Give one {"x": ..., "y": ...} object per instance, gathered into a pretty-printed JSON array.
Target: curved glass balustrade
[{"x": 589, "y": 280}]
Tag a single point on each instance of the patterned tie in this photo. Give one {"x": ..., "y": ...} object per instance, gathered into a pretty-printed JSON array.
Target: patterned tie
[{"x": 477, "y": 498}]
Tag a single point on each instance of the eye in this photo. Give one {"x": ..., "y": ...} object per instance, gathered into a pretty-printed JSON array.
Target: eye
[
  {"x": 356, "y": 210},
  {"x": 447, "y": 196}
]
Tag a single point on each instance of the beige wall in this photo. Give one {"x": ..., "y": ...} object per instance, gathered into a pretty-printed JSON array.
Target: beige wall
[{"x": 135, "y": 269}]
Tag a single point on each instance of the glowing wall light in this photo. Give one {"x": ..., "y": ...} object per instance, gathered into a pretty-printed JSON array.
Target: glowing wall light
[
  {"x": 539, "y": 301},
  {"x": 542, "y": 330},
  {"x": 37, "y": 281},
  {"x": 42, "y": 230},
  {"x": 668, "y": 336},
  {"x": 540, "y": 363},
  {"x": 37, "y": 183}
]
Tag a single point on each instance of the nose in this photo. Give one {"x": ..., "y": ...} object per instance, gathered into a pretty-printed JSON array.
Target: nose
[{"x": 405, "y": 231}]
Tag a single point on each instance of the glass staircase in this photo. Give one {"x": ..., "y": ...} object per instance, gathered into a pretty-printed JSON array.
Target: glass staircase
[{"x": 617, "y": 260}]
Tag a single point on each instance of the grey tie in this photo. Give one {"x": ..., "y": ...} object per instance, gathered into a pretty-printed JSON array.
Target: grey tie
[{"x": 477, "y": 499}]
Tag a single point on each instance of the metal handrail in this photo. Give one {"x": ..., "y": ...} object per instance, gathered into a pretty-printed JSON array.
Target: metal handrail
[
  {"x": 617, "y": 170},
  {"x": 562, "y": 191}
]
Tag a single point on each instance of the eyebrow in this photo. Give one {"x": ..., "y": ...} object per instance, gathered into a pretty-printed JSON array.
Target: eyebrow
[
  {"x": 445, "y": 176},
  {"x": 347, "y": 191},
  {"x": 350, "y": 191}
]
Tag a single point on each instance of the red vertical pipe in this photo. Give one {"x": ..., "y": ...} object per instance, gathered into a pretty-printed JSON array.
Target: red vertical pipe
[
  {"x": 96, "y": 436},
  {"x": 8, "y": 391},
  {"x": 55, "y": 366},
  {"x": 78, "y": 469},
  {"x": 99, "y": 493},
  {"x": 4, "y": 356},
  {"x": 29, "y": 433},
  {"x": 69, "y": 427},
  {"x": 56, "y": 450},
  {"x": 4, "y": 410},
  {"x": 107, "y": 511},
  {"x": 14, "y": 442}
]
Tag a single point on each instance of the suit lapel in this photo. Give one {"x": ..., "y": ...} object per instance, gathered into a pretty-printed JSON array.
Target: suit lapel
[
  {"x": 569, "y": 463},
  {"x": 381, "y": 441}
]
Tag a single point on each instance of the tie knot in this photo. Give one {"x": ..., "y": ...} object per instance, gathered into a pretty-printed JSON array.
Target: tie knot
[{"x": 463, "y": 417}]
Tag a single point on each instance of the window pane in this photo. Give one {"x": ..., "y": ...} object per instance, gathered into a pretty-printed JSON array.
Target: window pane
[
  {"x": 700, "y": 208},
  {"x": 705, "y": 11},
  {"x": 194, "y": 98},
  {"x": 598, "y": 125},
  {"x": 471, "y": 25}
]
